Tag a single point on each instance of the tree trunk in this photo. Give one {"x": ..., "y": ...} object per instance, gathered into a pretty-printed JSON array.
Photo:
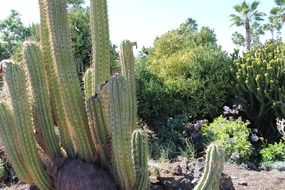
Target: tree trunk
[{"x": 247, "y": 34}]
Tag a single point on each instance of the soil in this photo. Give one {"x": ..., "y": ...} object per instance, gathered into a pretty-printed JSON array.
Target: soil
[{"x": 243, "y": 178}]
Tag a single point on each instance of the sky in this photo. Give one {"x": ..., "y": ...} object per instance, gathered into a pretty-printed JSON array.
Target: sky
[{"x": 144, "y": 20}]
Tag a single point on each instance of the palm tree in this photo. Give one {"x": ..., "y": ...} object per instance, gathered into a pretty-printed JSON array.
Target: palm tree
[
  {"x": 246, "y": 14},
  {"x": 278, "y": 16}
]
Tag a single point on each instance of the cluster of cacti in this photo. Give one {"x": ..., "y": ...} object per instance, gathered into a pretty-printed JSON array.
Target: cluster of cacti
[
  {"x": 212, "y": 169},
  {"x": 260, "y": 85},
  {"x": 45, "y": 96}
]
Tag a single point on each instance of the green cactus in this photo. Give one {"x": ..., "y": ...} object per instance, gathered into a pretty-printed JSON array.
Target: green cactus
[
  {"x": 260, "y": 85},
  {"x": 101, "y": 130},
  {"x": 15, "y": 80},
  {"x": 140, "y": 152},
  {"x": 212, "y": 169}
]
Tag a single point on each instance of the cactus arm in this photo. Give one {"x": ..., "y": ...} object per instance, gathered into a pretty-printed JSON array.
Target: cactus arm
[
  {"x": 53, "y": 85},
  {"x": 88, "y": 83},
  {"x": 140, "y": 153},
  {"x": 213, "y": 168},
  {"x": 121, "y": 137},
  {"x": 42, "y": 110},
  {"x": 11, "y": 142},
  {"x": 100, "y": 133},
  {"x": 100, "y": 42},
  {"x": 128, "y": 71},
  {"x": 15, "y": 80},
  {"x": 70, "y": 91}
]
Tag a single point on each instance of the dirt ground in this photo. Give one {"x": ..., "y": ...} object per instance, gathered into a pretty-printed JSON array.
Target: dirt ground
[{"x": 255, "y": 180}]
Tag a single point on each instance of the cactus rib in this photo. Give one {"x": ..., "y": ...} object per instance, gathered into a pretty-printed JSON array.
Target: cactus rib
[
  {"x": 100, "y": 42},
  {"x": 70, "y": 91},
  {"x": 42, "y": 110},
  {"x": 8, "y": 130},
  {"x": 53, "y": 84},
  {"x": 22, "y": 114}
]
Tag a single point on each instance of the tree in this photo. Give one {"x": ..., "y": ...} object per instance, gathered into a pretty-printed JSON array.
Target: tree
[
  {"x": 238, "y": 39},
  {"x": 189, "y": 25},
  {"x": 12, "y": 32},
  {"x": 246, "y": 15},
  {"x": 277, "y": 18}
]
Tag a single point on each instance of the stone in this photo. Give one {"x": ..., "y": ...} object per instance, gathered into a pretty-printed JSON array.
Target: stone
[
  {"x": 177, "y": 170},
  {"x": 243, "y": 183},
  {"x": 226, "y": 182}
]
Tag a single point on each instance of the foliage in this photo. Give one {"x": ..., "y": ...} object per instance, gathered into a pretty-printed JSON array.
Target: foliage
[
  {"x": 238, "y": 39},
  {"x": 273, "y": 152},
  {"x": 185, "y": 72},
  {"x": 170, "y": 141},
  {"x": 232, "y": 134},
  {"x": 246, "y": 15},
  {"x": 155, "y": 100},
  {"x": 13, "y": 32},
  {"x": 260, "y": 86}
]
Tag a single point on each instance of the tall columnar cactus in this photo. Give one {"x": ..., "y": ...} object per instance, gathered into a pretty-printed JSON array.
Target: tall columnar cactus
[
  {"x": 48, "y": 97},
  {"x": 213, "y": 168},
  {"x": 260, "y": 85}
]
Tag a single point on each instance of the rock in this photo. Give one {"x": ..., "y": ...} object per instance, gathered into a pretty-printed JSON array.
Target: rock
[
  {"x": 177, "y": 170},
  {"x": 169, "y": 183},
  {"x": 194, "y": 181},
  {"x": 243, "y": 183},
  {"x": 198, "y": 167},
  {"x": 226, "y": 182},
  {"x": 185, "y": 184}
]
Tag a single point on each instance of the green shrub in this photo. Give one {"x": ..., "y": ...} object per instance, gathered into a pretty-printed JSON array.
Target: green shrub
[
  {"x": 273, "y": 152},
  {"x": 155, "y": 100},
  {"x": 260, "y": 86},
  {"x": 185, "y": 72},
  {"x": 232, "y": 134},
  {"x": 170, "y": 141}
]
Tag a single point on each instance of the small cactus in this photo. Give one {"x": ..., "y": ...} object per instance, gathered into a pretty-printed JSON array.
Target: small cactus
[{"x": 213, "y": 168}]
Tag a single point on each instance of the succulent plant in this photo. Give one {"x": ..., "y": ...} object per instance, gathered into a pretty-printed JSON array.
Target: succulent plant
[
  {"x": 45, "y": 96},
  {"x": 260, "y": 86},
  {"x": 212, "y": 169}
]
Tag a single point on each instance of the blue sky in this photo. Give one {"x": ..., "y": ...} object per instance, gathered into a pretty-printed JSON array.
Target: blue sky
[{"x": 143, "y": 20}]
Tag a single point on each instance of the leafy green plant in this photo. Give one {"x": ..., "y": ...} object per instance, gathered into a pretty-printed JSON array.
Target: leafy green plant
[
  {"x": 232, "y": 134},
  {"x": 260, "y": 86},
  {"x": 273, "y": 152},
  {"x": 192, "y": 73}
]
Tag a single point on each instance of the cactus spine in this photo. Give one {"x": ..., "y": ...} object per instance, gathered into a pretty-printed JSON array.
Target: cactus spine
[
  {"x": 22, "y": 113},
  {"x": 8, "y": 128},
  {"x": 140, "y": 152},
  {"x": 100, "y": 42},
  {"x": 41, "y": 108},
  {"x": 213, "y": 168},
  {"x": 53, "y": 85},
  {"x": 70, "y": 91},
  {"x": 102, "y": 126}
]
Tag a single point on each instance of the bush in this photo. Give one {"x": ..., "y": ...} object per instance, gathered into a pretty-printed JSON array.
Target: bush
[
  {"x": 155, "y": 100},
  {"x": 260, "y": 82},
  {"x": 273, "y": 152},
  {"x": 171, "y": 142},
  {"x": 232, "y": 134},
  {"x": 185, "y": 72}
]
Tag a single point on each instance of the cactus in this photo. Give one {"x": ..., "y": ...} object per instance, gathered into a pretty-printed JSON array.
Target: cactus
[
  {"x": 260, "y": 85},
  {"x": 212, "y": 169},
  {"x": 140, "y": 152},
  {"x": 100, "y": 129}
]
